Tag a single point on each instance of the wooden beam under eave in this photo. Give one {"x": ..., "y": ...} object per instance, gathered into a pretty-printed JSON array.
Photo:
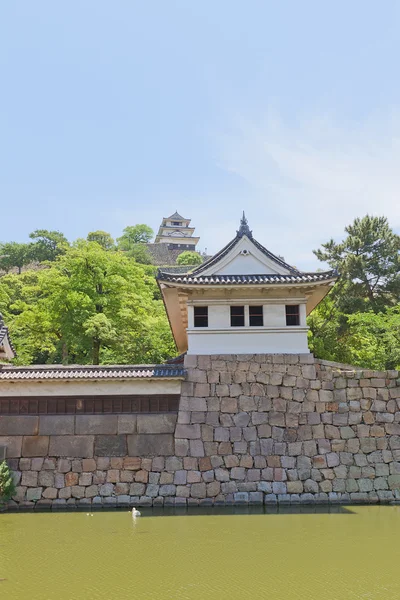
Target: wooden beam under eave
[
  {"x": 316, "y": 296},
  {"x": 173, "y": 306}
]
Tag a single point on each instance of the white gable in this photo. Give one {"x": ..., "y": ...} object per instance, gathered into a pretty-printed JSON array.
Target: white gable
[{"x": 246, "y": 259}]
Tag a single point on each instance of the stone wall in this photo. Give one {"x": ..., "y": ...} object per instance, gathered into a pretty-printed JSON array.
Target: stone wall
[{"x": 250, "y": 429}]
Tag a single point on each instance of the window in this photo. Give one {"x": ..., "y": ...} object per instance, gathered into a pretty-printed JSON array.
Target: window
[
  {"x": 256, "y": 316},
  {"x": 292, "y": 314},
  {"x": 201, "y": 316},
  {"x": 175, "y": 223},
  {"x": 237, "y": 316}
]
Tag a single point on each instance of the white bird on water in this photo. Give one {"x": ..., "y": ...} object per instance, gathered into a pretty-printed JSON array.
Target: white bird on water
[{"x": 135, "y": 513}]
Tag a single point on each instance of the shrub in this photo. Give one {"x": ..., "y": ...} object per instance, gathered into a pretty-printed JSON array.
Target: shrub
[{"x": 7, "y": 486}]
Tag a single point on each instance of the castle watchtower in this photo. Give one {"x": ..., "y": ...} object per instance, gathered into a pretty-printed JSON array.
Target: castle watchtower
[
  {"x": 243, "y": 300},
  {"x": 175, "y": 231}
]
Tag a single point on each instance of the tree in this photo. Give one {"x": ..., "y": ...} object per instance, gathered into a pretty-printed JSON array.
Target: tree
[
  {"x": 368, "y": 261},
  {"x": 141, "y": 254},
  {"x": 101, "y": 237},
  {"x": 48, "y": 244},
  {"x": 189, "y": 258},
  {"x": 14, "y": 255},
  {"x": 90, "y": 306},
  {"x": 135, "y": 234}
]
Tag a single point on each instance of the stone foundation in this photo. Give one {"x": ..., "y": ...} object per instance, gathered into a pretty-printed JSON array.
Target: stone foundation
[{"x": 260, "y": 429}]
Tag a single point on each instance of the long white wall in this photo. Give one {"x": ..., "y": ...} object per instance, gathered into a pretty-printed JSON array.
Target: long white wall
[{"x": 256, "y": 341}]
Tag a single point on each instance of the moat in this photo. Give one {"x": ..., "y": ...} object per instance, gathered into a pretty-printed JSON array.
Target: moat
[{"x": 313, "y": 554}]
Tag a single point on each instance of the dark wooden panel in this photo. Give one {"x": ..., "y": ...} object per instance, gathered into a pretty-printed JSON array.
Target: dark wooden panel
[{"x": 76, "y": 405}]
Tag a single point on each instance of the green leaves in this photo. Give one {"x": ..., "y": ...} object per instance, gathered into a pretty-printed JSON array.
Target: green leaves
[
  {"x": 359, "y": 321},
  {"x": 189, "y": 258},
  {"x": 7, "y": 487},
  {"x": 91, "y": 305}
]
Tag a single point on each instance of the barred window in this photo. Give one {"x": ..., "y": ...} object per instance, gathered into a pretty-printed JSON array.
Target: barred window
[
  {"x": 292, "y": 314},
  {"x": 201, "y": 316},
  {"x": 237, "y": 316},
  {"x": 256, "y": 316}
]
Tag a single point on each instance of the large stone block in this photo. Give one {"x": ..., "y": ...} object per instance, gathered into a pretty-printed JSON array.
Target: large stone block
[
  {"x": 56, "y": 425},
  {"x": 96, "y": 424},
  {"x": 12, "y": 444},
  {"x": 110, "y": 445},
  {"x": 190, "y": 432},
  {"x": 36, "y": 445},
  {"x": 126, "y": 424},
  {"x": 157, "y": 423},
  {"x": 73, "y": 446},
  {"x": 19, "y": 425},
  {"x": 161, "y": 444}
]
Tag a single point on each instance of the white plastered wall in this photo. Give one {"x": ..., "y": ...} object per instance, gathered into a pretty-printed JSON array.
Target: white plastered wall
[{"x": 89, "y": 388}]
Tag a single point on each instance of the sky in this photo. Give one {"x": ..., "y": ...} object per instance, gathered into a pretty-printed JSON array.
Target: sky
[{"x": 117, "y": 113}]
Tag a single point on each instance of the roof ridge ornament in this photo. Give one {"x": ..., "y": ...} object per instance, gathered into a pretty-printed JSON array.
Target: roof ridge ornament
[{"x": 244, "y": 228}]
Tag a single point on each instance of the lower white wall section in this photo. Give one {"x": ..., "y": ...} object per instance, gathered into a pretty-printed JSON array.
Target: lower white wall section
[
  {"x": 93, "y": 387},
  {"x": 256, "y": 341}
]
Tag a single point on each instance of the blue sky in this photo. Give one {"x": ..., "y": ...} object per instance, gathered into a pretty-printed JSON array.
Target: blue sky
[{"x": 116, "y": 113}]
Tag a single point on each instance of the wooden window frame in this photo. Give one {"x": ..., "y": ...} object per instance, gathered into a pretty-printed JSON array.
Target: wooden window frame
[
  {"x": 292, "y": 312},
  {"x": 259, "y": 314},
  {"x": 200, "y": 320},
  {"x": 237, "y": 318}
]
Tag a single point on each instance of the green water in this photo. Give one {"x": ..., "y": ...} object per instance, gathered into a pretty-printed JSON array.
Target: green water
[{"x": 347, "y": 555}]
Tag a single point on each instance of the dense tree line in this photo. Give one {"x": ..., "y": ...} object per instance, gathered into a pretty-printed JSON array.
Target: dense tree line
[
  {"x": 96, "y": 301},
  {"x": 359, "y": 321}
]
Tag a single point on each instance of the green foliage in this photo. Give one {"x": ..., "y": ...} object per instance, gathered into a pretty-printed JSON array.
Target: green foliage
[
  {"x": 368, "y": 261},
  {"x": 90, "y": 306},
  {"x": 358, "y": 323},
  {"x": 48, "y": 245},
  {"x": 141, "y": 254},
  {"x": 135, "y": 234},
  {"x": 189, "y": 258},
  {"x": 14, "y": 255},
  {"x": 101, "y": 237},
  {"x": 7, "y": 486}
]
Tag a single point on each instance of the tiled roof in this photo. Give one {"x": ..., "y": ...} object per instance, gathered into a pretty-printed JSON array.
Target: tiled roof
[
  {"x": 194, "y": 279},
  {"x": 243, "y": 230},
  {"x": 176, "y": 215},
  {"x": 76, "y": 372}
]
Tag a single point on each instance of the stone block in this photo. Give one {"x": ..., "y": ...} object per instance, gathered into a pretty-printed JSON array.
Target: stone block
[
  {"x": 198, "y": 490},
  {"x": 167, "y": 490},
  {"x": 12, "y": 444},
  {"x": 107, "y": 489},
  {"x": 71, "y": 479},
  {"x": 126, "y": 424},
  {"x": 33, "y": 494},
  {"x": 36, "y": 445},
  {"x": 19, "y": 425},
  {"x": 29, "y": 478},
  {"x": 56, "y": 425},
  {"x": 96, "y": 424},
  {"x": 190, "y": 432},
  {"x": 110, "y": 445},
  {"x": 72, "y": 446},
  {"x": 156, "y": 423},
  {"x": 152, "y": 445},
  {"x": 229, "y": 405},
  {"x": 196, "y": 448},
  {"x": 88, "y": 465}
]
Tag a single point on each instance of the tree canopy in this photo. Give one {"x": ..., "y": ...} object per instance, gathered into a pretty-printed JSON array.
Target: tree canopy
[
  {"x": 91, "y": 306},
  {"x": 135, "y": 234},
  {"x": 359, "y": 322},
  {"x": 189, "y": 258}
]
